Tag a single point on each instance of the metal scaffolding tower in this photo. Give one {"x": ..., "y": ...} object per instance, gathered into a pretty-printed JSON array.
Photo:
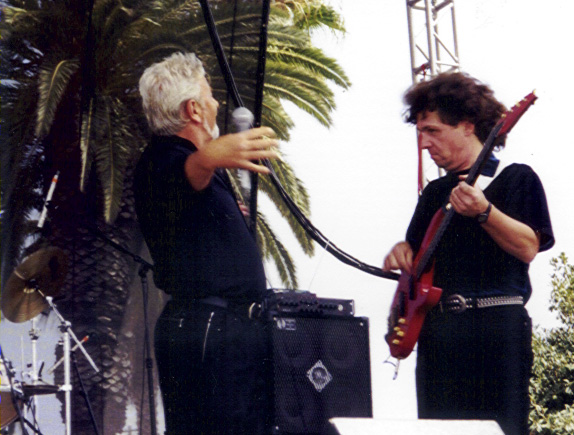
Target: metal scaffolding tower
[{"x": 431, "y": 53}]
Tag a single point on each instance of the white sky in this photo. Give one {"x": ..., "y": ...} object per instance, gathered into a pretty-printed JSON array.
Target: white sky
[{"x": 361, "y": 174}]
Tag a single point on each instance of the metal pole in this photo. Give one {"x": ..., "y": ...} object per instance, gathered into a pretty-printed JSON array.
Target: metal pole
[
  {"x": 430, "y": 37},
  {"x": 67, "y": 387}
]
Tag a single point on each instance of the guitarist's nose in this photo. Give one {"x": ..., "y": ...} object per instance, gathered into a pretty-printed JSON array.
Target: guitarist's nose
[{"x": 424, "y": 141}]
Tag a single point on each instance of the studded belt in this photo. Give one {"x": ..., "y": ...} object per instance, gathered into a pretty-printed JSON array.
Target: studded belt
[{"x": 459, "y": 304}]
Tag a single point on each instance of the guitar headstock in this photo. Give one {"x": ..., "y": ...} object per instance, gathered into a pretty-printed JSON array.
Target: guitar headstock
[{"x": 511, "y": 117}]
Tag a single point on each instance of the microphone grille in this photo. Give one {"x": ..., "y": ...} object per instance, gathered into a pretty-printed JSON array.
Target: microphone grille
[{"x": 242, "y": 118}]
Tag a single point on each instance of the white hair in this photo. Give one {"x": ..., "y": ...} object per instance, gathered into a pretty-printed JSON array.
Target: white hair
[{"x": 165, "y": 86}]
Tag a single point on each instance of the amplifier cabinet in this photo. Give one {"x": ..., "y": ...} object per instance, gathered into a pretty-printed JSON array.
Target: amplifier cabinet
[{"x": 321, "y": 370}]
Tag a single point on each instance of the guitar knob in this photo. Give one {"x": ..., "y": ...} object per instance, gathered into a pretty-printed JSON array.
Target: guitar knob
[
  {"x": 402, "y": 320},
  {"x": 395, "y": 341},
  {"x": 400, "y": 333}
]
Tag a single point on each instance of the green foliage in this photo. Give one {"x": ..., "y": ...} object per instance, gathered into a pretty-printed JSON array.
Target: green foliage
[{"x": 552, "y": 384}]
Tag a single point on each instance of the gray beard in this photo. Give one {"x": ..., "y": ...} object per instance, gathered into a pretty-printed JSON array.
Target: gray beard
[{"x": 213, "y": 132}]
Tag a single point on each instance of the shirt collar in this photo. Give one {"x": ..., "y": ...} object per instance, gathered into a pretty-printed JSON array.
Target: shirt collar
[
  {"x": 489, "y": 168},
  {"x": 173, "y": 141}
]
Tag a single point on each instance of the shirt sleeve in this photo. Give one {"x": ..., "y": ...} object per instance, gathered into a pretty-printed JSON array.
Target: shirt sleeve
[{"x": 526, "y": 202}]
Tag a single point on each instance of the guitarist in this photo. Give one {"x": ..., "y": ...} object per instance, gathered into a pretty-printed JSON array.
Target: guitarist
[{"x": 474, "y": 352}]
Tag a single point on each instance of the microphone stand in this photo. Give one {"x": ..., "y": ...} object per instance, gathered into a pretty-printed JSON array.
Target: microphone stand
[
  {"x": 84, "y": 393},
  {"x": 145, "y": 267}
]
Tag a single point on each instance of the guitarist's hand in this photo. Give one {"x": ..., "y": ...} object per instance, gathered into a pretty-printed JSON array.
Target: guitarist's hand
[
  {"x": 400, "y": 257},
  {"x": 468, "y": 200}
]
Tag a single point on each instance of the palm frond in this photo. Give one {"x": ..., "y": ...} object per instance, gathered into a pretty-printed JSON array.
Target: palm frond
[
  {"x": 111, "y": 154},
  {"x": 278, "y": 73},
  {"x": 313, "y": 59},
  {"x": 311, "y": 14},
  {"x": 301, "y": 100},
  {"x": 275, "y": 116},
  {"x": 86, "y": 138},
  {"x": 298, "y": 193},
  {"x": 273, "y": 249},
  {"x": 53, "y": 80}
]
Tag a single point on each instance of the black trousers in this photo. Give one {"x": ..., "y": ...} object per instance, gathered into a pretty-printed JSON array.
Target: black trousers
[
  {"x": 476, "y": 365},
  {"x": 213, "y": 367}
]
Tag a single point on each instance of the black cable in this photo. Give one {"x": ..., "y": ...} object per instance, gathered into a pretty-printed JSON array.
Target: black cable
[{"x": 317, "y": 236}]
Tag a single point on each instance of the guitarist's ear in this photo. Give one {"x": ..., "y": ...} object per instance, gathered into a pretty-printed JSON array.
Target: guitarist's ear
[{"x": 468, "y": 128}]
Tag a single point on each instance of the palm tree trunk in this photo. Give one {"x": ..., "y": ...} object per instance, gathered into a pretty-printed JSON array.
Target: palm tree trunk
[{"x": 96, "y": 291}]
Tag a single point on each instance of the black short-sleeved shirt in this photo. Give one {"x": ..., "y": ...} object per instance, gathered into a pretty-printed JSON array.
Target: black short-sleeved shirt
[
  {"x": 467, "y": 260},
  {"x": 199, "y": 241}
]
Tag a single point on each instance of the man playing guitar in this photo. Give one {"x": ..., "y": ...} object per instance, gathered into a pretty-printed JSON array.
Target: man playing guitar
[{"x": 474, "y": 351}]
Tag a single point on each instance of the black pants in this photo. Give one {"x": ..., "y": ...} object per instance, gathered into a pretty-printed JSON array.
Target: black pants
[
  {"x": 213, "y": 367},
  {"x": 476, "y": 365}
]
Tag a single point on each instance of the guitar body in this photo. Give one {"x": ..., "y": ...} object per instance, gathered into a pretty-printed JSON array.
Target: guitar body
[{"x": 413, "y": 300}]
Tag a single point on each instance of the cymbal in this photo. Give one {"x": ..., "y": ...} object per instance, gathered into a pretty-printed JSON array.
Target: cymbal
[{"x": 43, "y": 271}]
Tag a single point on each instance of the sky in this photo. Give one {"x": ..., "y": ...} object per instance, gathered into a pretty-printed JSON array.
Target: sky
[{"x": 361, "y": 173}]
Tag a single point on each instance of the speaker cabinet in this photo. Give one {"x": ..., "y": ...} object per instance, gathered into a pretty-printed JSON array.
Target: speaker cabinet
[{"x": 321, "y": 370}]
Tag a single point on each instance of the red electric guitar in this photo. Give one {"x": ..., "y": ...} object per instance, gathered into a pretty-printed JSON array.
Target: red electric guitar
[{"x": 415, "y": 294}]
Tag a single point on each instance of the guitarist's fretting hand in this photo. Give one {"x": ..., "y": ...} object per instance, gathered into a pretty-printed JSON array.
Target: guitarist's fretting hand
[
  {"x": 400, "y": 257},
  {"x": 468, "y": 200},
  {"x": 513, "y": 236}
]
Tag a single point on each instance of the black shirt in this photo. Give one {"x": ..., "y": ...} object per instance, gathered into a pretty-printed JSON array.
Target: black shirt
[
  {"x": 199, "y": 241},
  {"x": 467, "y": 260}
]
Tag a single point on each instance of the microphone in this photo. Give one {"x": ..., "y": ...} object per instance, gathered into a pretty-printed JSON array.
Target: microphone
[
  {"x": 48, "y": 199},
  {"x": 243, "y": 120}
]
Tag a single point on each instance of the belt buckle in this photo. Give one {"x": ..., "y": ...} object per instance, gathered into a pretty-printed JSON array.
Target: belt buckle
[{"x": 459, "y": 304}]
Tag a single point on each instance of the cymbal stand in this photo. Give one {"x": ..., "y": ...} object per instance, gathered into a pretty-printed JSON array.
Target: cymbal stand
[
  {"x": 34, "y": 335},
  {"x": 67, "y": 333}
]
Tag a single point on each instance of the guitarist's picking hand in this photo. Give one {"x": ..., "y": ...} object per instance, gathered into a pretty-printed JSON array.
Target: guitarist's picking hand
[
  {"x": 468, "y": 200},
  {"x": 400, "y": 257}
]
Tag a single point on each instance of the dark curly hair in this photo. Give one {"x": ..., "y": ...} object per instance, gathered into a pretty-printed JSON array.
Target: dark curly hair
[{"x": 457, "y": 97}]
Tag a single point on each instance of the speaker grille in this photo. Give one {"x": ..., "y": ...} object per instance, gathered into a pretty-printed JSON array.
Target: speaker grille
[{"x": 321, "y": 370}]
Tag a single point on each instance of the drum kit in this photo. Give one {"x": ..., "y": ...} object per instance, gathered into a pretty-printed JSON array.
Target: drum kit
[{"x": 29, "y": 291}]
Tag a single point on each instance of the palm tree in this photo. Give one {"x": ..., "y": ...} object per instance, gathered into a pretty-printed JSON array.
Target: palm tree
[{"x": 70, "y": 104}]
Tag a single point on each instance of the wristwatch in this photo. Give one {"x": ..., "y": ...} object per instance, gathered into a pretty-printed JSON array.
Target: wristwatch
[{"x": 483, "y": 217}]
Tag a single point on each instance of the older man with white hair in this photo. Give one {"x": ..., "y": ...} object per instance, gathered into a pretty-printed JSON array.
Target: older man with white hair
[{"x": 212, "y": 355}]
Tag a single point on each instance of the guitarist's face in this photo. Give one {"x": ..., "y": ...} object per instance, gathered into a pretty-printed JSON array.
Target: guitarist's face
[{"x": 451, "y": 147}]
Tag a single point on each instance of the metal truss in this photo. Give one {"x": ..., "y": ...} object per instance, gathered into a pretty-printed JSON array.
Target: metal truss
[{"x": 432, "y": 52}]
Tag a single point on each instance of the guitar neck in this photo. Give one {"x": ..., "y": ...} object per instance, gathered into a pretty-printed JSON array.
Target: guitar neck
[{"x": 428, "y": 254}]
